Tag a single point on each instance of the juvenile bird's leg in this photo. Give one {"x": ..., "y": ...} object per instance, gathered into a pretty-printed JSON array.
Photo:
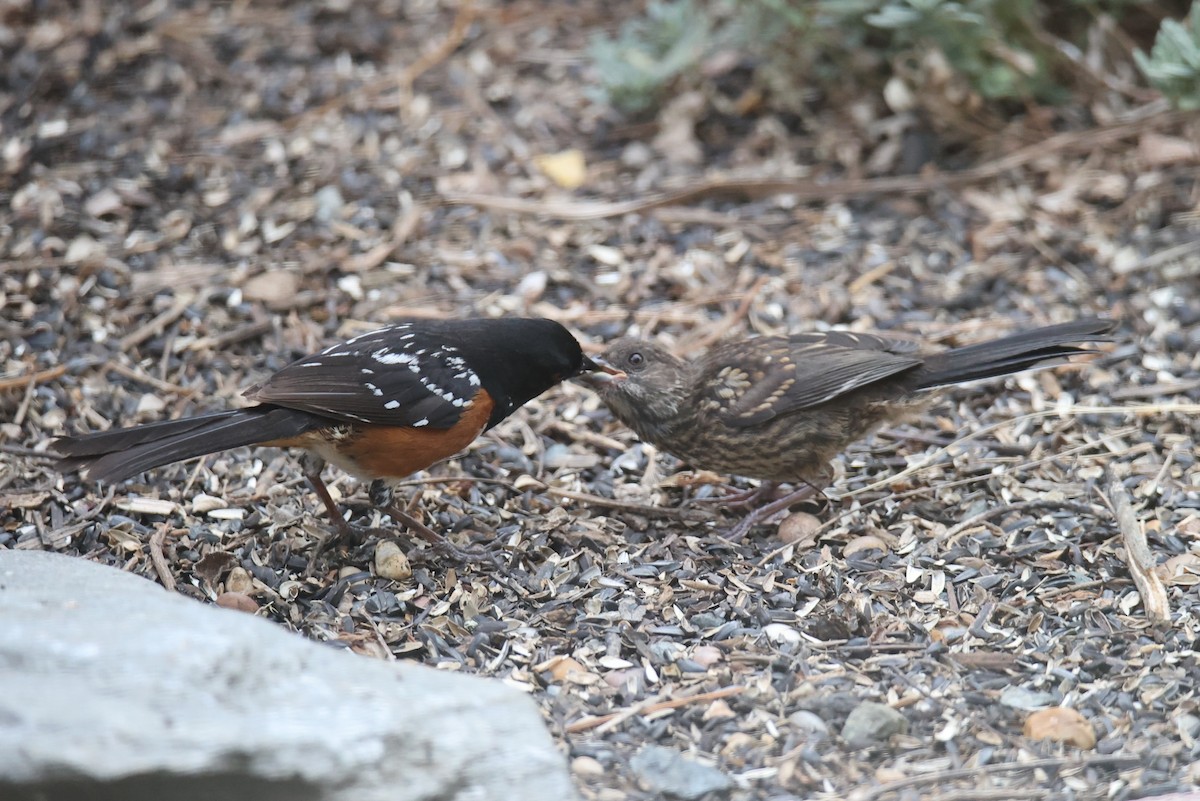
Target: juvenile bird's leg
[
  {"x": 753, "y": 495},
  {"x": 381, "y": 494},
  {"x": 743, "y": 498},
  {"x": 764, "y": 513}
]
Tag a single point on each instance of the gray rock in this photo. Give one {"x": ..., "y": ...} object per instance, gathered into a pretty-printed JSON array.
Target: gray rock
[
  {"x": 870, "y": 723},
  {"x": 810, "y": 724},
  {"x": 1021, "y": 698},
  {"x": 1188, "y": 724},
  {"x": 115, "y": 688},
  {"x": 707, "y": 620},
  {"x": 665, "y": 770},
  {"x": 329, "y": 203}
]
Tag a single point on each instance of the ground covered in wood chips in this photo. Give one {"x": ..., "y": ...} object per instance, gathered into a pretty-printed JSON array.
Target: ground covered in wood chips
[{"x": 194, "y": 194}]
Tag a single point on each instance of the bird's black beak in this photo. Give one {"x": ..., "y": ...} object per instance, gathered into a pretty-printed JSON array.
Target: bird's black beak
[{"x": 597, "y": 371}]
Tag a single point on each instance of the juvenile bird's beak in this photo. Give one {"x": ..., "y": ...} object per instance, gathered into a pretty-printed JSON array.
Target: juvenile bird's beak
[{"x": 597, "y": 371}]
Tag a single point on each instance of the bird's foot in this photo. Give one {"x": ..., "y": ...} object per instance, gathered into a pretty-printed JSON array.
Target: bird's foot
[
  {"x": 764, "y": 513},
  {"x": 736, "y": 498},
  {"x": 439, "y": 543}
]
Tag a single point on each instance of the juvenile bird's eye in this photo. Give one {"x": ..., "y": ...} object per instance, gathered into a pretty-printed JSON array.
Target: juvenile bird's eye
[{"x": 636, "y": 359}]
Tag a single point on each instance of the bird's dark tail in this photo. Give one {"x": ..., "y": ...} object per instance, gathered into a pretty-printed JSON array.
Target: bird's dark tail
[
  {"x": 1011, "y": 354},
  {"x": 123, "y": 452}
]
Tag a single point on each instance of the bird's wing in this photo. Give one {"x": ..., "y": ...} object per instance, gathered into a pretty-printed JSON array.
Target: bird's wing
[
  {"x": 850, "y": 339},
  {"x": 399, "y": 376},
  {"x": 751, "y": 381}
]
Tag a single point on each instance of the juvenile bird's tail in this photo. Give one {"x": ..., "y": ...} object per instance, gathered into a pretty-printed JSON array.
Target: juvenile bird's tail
[
  {"x": 1011, "y": 354},
  {"x": 119, "y": 453}
]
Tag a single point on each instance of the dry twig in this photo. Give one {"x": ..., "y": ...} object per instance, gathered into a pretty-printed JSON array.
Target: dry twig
[
  {"x": 1138, "y": 555},
  {"x": 603, "y": 723},
  {"x": 941, "y": 778},
  {"x": 808, "y": 191},
  {"x": 159, "y": 559},
  {"x": 40, "y": 377}
]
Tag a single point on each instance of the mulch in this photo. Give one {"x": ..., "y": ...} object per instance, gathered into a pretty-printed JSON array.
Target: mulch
[{"x": 194, "y": 194}]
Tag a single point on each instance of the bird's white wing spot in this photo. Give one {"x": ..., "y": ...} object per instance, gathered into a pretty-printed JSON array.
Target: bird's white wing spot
[{"x": 388, "y": 356}]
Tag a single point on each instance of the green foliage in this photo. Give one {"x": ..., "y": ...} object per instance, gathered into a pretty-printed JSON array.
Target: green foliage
[
  {"x": 997, "y": 49},
  {"x": 988, "y": 42},
  {"x": 650, "y": 53},
  {"x": 1173, "y": 66}
]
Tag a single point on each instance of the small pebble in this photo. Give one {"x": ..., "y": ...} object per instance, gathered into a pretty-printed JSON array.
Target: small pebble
[
  {"x": 706, "y": 655},
  {"x": 239, "y": 581},
  {"x": 780, "y": 633},
  {"x": 1062, "y": 725},
  {"x": 706, "y": 620},
  {"x": 237, "y": 600},
  {"x": 1022, "y": 698},
  {"x": 719, "y": 710},
  {"x": 329, "y": 203},
  {"x": 206, "y": 503},
  {"x": 809, "y": 723},
  {"x": 586, "y": 767},
  {"x": 799, "y": 528},
  {"x": 391, "y": 562},
  {"x": 871, "y": 723},
  {"x": 666, "y": 771}
]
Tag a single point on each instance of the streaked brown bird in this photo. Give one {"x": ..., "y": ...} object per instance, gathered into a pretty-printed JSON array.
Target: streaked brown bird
[
  {"x": 779, "y": 408},
  {"x": 380, "y": 406}
]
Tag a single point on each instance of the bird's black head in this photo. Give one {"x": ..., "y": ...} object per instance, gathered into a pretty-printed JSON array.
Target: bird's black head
[
  {"x": 518, "y": 359},
  {"x": 642, "y": 384}
]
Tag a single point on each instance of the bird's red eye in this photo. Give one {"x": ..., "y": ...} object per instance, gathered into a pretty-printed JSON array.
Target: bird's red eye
[{"x": 636, "y": 359}]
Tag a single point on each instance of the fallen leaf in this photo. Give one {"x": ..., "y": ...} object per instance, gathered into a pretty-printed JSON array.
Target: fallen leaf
[
  {"x": 1181, "y": 569},
  {"x": 124, "y": 539},
  {"x": 212, "y": 565}
]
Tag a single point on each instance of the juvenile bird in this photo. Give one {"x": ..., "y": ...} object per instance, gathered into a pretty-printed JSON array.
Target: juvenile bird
[
  {"x": 380, "y": 406},
  {"x": 779, "y": 408}
]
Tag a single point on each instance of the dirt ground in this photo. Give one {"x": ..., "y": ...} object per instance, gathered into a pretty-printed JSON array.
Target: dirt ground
[{"x": 194, "y": 194}]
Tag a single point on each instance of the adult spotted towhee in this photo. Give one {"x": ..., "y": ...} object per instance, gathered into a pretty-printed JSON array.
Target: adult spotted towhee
[
  {"x": 380, "y": 406},
  {"x": 778, "y": 408}
]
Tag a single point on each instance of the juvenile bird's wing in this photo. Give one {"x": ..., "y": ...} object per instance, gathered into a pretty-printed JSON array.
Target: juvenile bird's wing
[
  {"x": 849, "y": 339},
  {"x": 749, "y": 382},
  {"x": 398, "y": 376}
]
